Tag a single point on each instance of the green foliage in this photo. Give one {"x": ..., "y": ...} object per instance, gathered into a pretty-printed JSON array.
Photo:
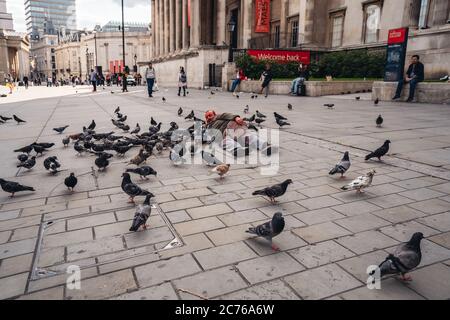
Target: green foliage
[{"x": 342, "y": 64}]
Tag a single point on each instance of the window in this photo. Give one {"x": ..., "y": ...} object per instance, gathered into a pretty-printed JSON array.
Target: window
[
  {"x": 372, "y": 15},
  {"x": 423, "y": 17},
  {"x": 337, "y": 30},
  {"x": 294, "y": 36},
  {"x": 277, "y": 37}
]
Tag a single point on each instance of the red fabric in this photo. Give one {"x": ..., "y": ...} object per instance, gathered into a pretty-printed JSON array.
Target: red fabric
[{"x": 241, "y": 74}]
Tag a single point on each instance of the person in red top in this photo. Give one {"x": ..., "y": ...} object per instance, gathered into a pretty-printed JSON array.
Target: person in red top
[{"x": 237, "y": 80}]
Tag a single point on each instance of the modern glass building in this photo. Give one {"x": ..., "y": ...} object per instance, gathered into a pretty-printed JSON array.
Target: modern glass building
[{"x": 49, "y": 16}]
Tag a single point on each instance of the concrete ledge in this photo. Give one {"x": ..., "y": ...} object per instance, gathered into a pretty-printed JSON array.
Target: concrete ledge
[
  {"x": 313, "y": 88},
  {"x": 431, "y": 92}
]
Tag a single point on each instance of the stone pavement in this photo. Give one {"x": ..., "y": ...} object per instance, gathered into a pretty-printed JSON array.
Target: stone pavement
[{"x": 330, "y": 239}]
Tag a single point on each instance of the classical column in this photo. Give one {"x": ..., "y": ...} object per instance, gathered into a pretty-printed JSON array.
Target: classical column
[
  {"x": 171, "y": 25},
  {"x": 196, "y": 21},
  {"x": 283, "y": 24},
  {"x": 220, "y": 22},
  {"x": 306, "y": 21},
  {"x": 185, "y": 28},
  {"x": 154, "y": 50},
  {"x": 246, "y": 22},
  {"x": 166, "y": 36},
  {"x": 161, "y": 26},
  {"x": 178, "y": 24}
]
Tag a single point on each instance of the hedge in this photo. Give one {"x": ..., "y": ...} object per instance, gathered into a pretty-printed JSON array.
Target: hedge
[{"x": 342, "y": 64}]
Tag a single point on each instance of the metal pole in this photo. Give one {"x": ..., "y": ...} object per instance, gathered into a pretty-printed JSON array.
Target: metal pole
[
  {"x": 95, "y": 43},
  {"x": 124, "y": 80}
]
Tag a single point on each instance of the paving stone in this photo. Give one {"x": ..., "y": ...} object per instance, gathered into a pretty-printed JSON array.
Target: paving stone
[
  {"x": 362, "y": 222},
  {"x": 422, "y": 194},
  {"x": 104, "y": 192},
  {"x": 391, "y": 289},
  {"x": 201, "y": 184},
  {"x": 241, "y": 217},
  {"x": 320, "y": 232},
  {"x": 11, "y": 214},
  {"x": 247, "y": 204},
  {"x": 229, "y": 235},
  {"x": 439, "y": 221},
  {"x": 366, "y": 241},
  {"x": 405, "y": 175},
  {"x": 224, "y": 255},
  {"x": 13, "y": 286},
  {"x": 315, "y": 255},
  {"x": 429, "y": 282},
  {"x": 104, "y": 286},
  {"x": 352, "y": 196},
  {"x": 56, "y": 293},
  {"x": 284, "y": 208},
  {"x": 208, "y": 211},
  {"x": 25, "y": 233},
  {"x": 60, "y": 279},
  {"x": 180, "y": 204},
  {"x": 87, "y": 202},
  {"x": 431, "y": 206},
  {"x": 268, "y": 267},
  {"x": 318, "y": 216},
  {"x": 210, "y": 284},
  {"x": 403, "y": 231},
  {"x": 94, "y": 248},
  {"x": 389, "y": 201},
  {"x": 17, "y": 248},
  {"x": 15, "y": 265},
  {"x": 417, "y": 183},
  {"x": 319, "y": 202},
  {"x": 67, "y": 238},
  {"x": 113, "y": 229},
  {"x": 131, "y": 261},
  {"x": 398, "y": 214},
  {"x": 119, "y": 201},
  {"x": 19, "y": 223},
  {"x": 228, "y": 187},
  {"x": 178, "y": 216},
  {"x": 318, "y": 191},
  {"x": 4, "y": 236},
  {"x": 322, "y": 282},
  {"x": 357, "y": 266},
  {"x": 43, "y": 209},
  {"x": 219, "y": 198},
  {"x": 384, "y": 189},
  {"x": 165, "y": 270},
  {"x": 355, "y": 208},
  {"x": 177, "y": 180},
  {"x": 66, "y": 213},
  {"x": 66, "y": 198},
  {"x": 150, "y": 236},
  {"x": 198, "y": 225},
  {"x": 192, "y": 243},
  {"x": 191, "y": 193},
  {"x": 162, "y": 292},
  {"x": 23, "y": 204},
  {"x": 272, "y": 290},
  {"x": 444, "y": 187},
  {"x": 285, "y": 241},
  {"x": 442, "y": 239},
  {"x": 90, "y": 221},
  {"x": 52, "y": 256}
]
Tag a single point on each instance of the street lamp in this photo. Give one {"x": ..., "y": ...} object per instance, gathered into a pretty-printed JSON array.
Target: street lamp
[
  {"x": 124, "y": 80},
  {"x": 135, "y": 63},
  {"x": 87, "y": 64},
  {"x": 231, "y": 28}
]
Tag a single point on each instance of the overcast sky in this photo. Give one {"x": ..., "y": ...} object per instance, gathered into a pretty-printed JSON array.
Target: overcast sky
[{"x": 91, "y": 12}]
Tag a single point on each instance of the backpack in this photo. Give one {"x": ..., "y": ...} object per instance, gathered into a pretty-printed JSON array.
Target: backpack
[{"x": 183, "y": 77}]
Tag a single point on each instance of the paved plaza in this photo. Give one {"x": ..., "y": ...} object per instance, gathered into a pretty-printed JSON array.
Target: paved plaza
[{"x": 196, "y": 246}]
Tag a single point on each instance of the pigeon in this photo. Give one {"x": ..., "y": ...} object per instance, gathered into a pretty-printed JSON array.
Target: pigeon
[
  {"x": 252, "y": 127},
  {"x": 132, "y": 189},
  {"x": 121, "y": 150},
  {"x": 18, "y": 120},
  {"x": 117, "y": 110},
  {"x": 92, "y": 125},
  {"x": 251, "y": 119},
  {"x": 159, "y": 146},
  {"x": 112, "y": 92},
  {"x": 237, "y": 96},
  {"x": 177, "y": 157},
  {"x": 279, "y": 116},
  {"x": 289, "y": 106},
  {"x": 2, "y": 122},
  {"x": 22, "y": 157},
  {"x": 142, "y": 214},
  {"x": 246, "y": 109},
  {"x": 26, "y": 149},
  {"x": 28, "y": 164},
  {"x": 125, "y": 128},
  {"x": 274, "y": 191},
  {"x": 51, "y": 164},
  {"x": 329, "y": 105},
  {"x": 210, "y": 159},
  {"x": 405, "y": 258},
  {"x": 221, "y": 170},
  {"x": 281, "y": 122},
  {"x": 45, "y": 145},
  {"x": 190, "y": 115},
  {"x": 71, "y": 181},
  {"x": 139, "y": 158},
  {"x": 143, "y": 171},
  {"x": 180, "y": 111},
  {"x": 360, "y": 183},
  {"x": 13, "y": 187},
  {"x": 154, "y": 129},
  {"x": 153, "y": 122},
  {"x": 123, "y": 119},
  {"x": 212, "y": 93},
  {"x": 376, "y": 101},
  {"x": 358, "y": 98},
  {"x": 381, "y": 151},
  {"x": 60, "y": 129},
  {"x": 270, "y": 229},
  {"x": 136, "y": 129},
  {"x": 79, "y": 148},
  {"x": 342, "y": 166},
  {"x": 260, "y": 115},
  {"x": 102, "y": 160},
  {"x": 163, "y": 99},
  {"x": 66, "y": 141},
  {"x": 259, "y": 121},
  {"x": 379, "y": 121},
  {"x": 38, "y": 149},
  {"x": 5, "y": 118}
]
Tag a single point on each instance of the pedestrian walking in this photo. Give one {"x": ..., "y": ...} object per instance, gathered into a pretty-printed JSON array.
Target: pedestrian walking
[
  {"x": 25, "y": 82},
  {"x": 150, "y": 76},
  {"x": 182, "y": 82},
  {"x": 266, "y": 78},
  {"x": 93, "y": 79}
]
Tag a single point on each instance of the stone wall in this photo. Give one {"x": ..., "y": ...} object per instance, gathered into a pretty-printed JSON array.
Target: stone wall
[{"x": 431, "y": 92}]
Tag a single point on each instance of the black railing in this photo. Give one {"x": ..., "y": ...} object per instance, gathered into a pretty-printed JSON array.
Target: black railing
[{"x": 274, "y": 41}]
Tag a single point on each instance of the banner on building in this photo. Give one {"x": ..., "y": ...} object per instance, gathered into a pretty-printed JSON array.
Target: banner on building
[
  {"x": 262, "y": 16},
  {"x": 281, "y": 56},
  {"x": 396, "y": 54},
  {"x": 189, "y": 13}
]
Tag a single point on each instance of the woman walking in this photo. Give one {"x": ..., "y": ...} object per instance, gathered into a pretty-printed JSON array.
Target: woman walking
[
  {"x": 150, "y": 76},
  {"x": 182, "y": 82},
  {"x": 266, "y": 78}
]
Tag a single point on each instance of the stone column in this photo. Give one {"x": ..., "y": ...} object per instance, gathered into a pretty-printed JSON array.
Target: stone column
[
  {"x": 178, "y": 22},
  {"x": 161, "y": 26},
  {"x": 247, "y": 22},
  {"x": 171, "y": 25},
  {"x": 154, "y": 50},
  {"x": 185, "y": 28},
  {"x": 166, "y": 37},
  {"x": 221, "y": 22},
  {"x": 306, "y": 21},
  {"x": 283, "y": 24},
  {"x": 196, "y": 21}
]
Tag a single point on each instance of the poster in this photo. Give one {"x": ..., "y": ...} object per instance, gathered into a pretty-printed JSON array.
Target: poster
[
  {"x": 396, "y": 54},
  {"x": 262, "y": 15}
]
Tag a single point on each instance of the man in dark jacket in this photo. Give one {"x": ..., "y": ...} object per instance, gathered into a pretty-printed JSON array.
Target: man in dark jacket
[{"x": 414, "y": 75}]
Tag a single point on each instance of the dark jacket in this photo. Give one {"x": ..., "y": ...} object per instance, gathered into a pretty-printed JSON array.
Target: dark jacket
[
  {"x": 221, "y": 121},
  {"x": 304, "y": 74},
  {"x": 418, "y": 70},
  {"x": 268, "y": 75}
]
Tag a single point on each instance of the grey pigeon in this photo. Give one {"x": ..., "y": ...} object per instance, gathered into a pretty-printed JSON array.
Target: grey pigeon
[
  {"x": 180, "y": 111},
  {"x": 5, "y": 118},
  {"x": 13, "y": 187},
  {"x": 142, "y": 214},
  {"x": 18, "y": 120},
  {"x": 270, "y": 229},
  {"x": 117, "y": 110},
  {"x": 289, "y": 106},
  {"x": 92, "y": 125},
  {"x": 210, "y": 159},
  {"x": 279, "y": 116},
  {"x": 259, "y": 114},
  {"x": 130, "y": 188},
  {"x": 379, "y": 121},
  {"x": 28, "y": 164},
  {"x": 274, "y": 191},
  {"x": 60, "y": 129},
  {"x": 66, "y": 141},
  {"x": 26, "y": 149},
  {"x": 71, "y": 181},
  {"x": 282, "y": 123},
  {"x": 143, "y": 171},
  {"x": 51, "y": 164},
  {"x": 247, "y": 108},
  {"x": 342, "y": 166},
  {"x": 405, "y": 258},
  {"x": 22, "y": 157},
  {"x": 136, "y": 129},
  {"x": 329, "y": 105},
  {"x": 380, "y": 152}
]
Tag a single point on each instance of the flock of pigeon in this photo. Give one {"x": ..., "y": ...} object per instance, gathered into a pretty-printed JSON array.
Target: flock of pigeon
[{"x": 405, "y": 258}]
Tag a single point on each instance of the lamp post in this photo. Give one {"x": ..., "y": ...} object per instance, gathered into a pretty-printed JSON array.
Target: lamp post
[
  {"x": 135, "y": 63},
  {"x": 124, "y": 80},
  {"x": 87, "y": 64},
  {"x": 231, "y": 27},
  {"x": 95, "y": 45}
]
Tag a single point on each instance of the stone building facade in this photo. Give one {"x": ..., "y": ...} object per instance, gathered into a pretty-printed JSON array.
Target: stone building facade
[{"x": 194, "y": 33}]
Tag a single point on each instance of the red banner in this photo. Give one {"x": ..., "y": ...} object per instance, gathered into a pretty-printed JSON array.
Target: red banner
[
  {"x": 397, "y": 36},
  {"x": 189, "y": 13},
  {"x": 262, "y": 16},
  {"x": 281, "y": 56}
]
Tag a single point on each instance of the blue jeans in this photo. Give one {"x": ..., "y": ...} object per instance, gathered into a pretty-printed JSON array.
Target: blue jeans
[
  {"x": 235, "y": 84},
  {"x": 150, "y": 83},
  {"x": 295, "y": 84},
  {"x": 412, "y": 88}
]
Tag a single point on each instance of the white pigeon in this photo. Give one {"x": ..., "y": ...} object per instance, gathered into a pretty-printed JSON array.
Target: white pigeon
[{"x": 361, "y": 182}]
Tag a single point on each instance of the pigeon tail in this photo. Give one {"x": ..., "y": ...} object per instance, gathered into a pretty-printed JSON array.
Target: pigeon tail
[
  {"x": 137, "y": 222},
  {"x": 259, "y": 192},
  {"x": 251, "y": 230}
]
